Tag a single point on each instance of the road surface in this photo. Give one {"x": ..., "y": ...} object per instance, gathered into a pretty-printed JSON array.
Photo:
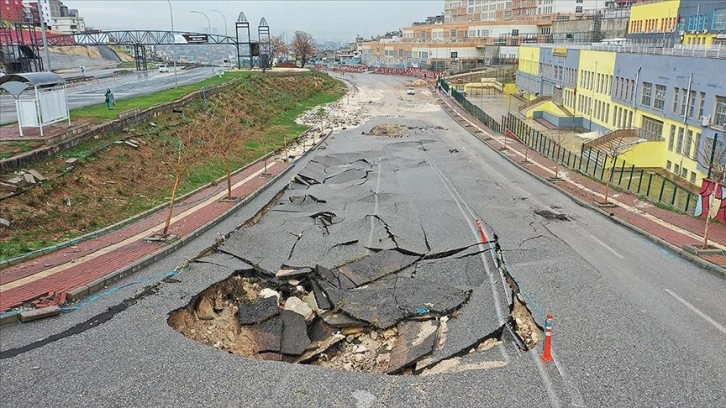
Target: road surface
[{"x": 634, "y": 324}]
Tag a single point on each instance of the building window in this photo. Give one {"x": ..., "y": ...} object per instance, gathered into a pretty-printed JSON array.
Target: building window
[
  {"x": 454, "y": 54},
  {"x": 701, "y": 102},
  {"x": 676, "y": 169},
  {"x": 691, "y": 103},
  {"x": 684, "y": 172},
  {"x": 659, "y": 102},
  {"x": 718, "y": 20},
  {"x": 578, "y": 9},
  {"x": 693, "y": 178},
  {"x": 675, "y": 99},
  {"x": 679, "y": 141},
  {"x": 696, "y": 146},
  {"x": 647, "y": 89},
  {"x": 687, "y": 146},
  {"x": 719, "y": 117},
  {"x": 669, "y": 165},
  {"x": 652, "y": 129},
  {"x": 672, "y": 138},
  {"x": 684, "y": 96}
]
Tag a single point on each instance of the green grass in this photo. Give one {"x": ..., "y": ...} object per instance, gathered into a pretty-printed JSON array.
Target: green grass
[{"x": 101, "y": 111}]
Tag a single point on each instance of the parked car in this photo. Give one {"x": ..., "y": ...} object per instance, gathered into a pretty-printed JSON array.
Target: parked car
[
  {"x": 163, "y": 68},
  {"x": 411, "y": 91}
]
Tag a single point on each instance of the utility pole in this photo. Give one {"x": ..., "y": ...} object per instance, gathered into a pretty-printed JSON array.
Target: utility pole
[
  {"x": 173, "y": 42},
  {"x": 229, "y": 57},
  {"x": 45, "y": 38}
]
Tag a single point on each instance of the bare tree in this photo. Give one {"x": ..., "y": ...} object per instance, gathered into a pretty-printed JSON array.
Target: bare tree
[
  {"x": 713, "y": 158},
  {"x": 185, "y": 148},
  {"x": 224, "y": 130},
  {"x": 278, "y": 47},
  {"x": 303, "y": 45}
]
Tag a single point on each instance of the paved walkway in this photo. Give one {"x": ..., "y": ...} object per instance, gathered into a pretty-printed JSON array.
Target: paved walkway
[
  {"x": 665, "y": 227},
  {"x": 46, "y": 279}
]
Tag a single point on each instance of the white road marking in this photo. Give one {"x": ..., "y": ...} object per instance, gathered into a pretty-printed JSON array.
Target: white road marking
[
  {"x": 607, "y": 247},
  {"x": 554, "y": 401},
  {"x": 698, "y": 312},
  {"x": 575, "y": 395}
]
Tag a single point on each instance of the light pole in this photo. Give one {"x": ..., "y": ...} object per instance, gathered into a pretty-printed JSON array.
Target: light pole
[
  {"x": 229, "y": 57},
  {"x": 173, "y": 42},
  {"x": 209, "y": 26}
]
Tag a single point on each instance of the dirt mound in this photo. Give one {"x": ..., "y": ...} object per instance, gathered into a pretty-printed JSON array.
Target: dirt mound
[
  {"x": 387, "y": 129},
  {"x": 417, "y": 82},
  {"x": 285, "y": 65}
]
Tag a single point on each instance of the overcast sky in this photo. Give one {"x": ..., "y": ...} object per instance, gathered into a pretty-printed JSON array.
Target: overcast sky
[{"x": 325, "y": 20}]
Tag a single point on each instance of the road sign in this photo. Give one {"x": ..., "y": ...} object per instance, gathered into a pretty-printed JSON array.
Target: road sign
[{"x": 196, "y": 38}]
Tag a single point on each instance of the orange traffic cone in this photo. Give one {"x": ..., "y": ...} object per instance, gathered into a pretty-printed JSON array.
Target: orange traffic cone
[
  {"x": 483, "y": 235},
  {"x": 547, "y": 354}
]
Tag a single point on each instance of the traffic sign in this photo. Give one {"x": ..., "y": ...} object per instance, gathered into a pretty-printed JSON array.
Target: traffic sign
[{"x": 196, "y": 38}]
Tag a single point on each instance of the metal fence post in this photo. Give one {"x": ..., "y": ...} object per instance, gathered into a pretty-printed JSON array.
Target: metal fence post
[
  {"x": 662, "y": 187},
  {"x": 622, "y": 170},
  {"x": 605, "y": 164},
  {"x": 630, "y": 180},
  {"x": 675, "y": 192},
  {"x": 640, "y": 180},
  {"x": 597, "y": 160},
  {"x": 650, "y": 179}
]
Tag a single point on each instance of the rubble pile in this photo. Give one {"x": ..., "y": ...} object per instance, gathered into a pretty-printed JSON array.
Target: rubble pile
[
  {"x": 362, "y": 316},
  {"x": 389, "y": 130}
]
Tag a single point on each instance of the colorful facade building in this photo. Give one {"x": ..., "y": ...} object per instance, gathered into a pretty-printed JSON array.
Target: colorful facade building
[{"x": 677, "y": 104}]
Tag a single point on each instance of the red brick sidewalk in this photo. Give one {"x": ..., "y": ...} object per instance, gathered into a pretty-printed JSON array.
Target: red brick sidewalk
[
  {"x": 673, "y": 228},
  {"x": 72, "y": 267}
]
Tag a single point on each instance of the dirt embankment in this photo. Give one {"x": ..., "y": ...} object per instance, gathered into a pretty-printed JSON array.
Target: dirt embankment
[{"x": 111, "y": 180}]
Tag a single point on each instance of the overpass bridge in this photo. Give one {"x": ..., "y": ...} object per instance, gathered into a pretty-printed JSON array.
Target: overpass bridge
[{"x": 20, "y": 45}]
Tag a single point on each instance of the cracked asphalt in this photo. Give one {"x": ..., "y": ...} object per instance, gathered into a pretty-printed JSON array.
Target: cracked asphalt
[{"x": 621, "y": 337}]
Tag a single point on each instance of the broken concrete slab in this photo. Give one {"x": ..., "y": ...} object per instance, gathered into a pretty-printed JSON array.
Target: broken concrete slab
[
  {"x": 205, "y": 309},
  {"x": 334, "y": 278},
  {"x": 5, "y": 223},
  {"x": 319, "y": 330},
  {"x": 415, "y": 294},
  {"x": 376, "y": 266},
  {"x": 415, "y": 340},
  {"x": 320, "y": 348},
  {"x": 8, "y": 187},
  {"x": 295, "y": 338},
  {"x": 320, "y": 298},
  {"x": 370, "y": 304},
  {"x": 37, "y": 175},
  {"x": 269, "y": 335},
  {"x": 15, "y": 180},
  {"x": 258, "y": 311},
  {"x": 347, "y": 176}
]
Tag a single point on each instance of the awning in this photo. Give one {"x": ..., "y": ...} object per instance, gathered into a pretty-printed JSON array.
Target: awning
[{"x": 17, "y": 83}]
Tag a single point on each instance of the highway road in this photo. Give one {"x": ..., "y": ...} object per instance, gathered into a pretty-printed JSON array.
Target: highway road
[
  {"x": 634, "y": 324},
  {"x": 125, "y": 86}
]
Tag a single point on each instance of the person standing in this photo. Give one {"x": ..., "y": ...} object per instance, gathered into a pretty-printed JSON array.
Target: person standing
[{"x": 109, "y": 99}]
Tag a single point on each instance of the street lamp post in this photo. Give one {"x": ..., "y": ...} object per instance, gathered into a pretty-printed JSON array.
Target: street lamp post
[
  {"x": 229, "y": 57},
  {"x": 209, "y": 26},
  {"x": 173, "y": 41}
]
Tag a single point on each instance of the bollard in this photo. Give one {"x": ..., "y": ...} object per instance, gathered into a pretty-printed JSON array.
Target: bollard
[
  {"x": 547, "y": 354},
  {"x": 484, "y": 239}
]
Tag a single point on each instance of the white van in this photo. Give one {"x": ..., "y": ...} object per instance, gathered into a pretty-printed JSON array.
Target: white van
[{"x": 163, "y": 68}]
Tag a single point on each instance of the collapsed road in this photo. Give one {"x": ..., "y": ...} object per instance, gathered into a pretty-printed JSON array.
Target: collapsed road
[{"x": 368, "y": 217}]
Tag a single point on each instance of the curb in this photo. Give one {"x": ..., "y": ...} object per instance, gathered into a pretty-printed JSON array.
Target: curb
[
  {"x": 100, "y": 283},
  {"x": 716, "y": 269}
]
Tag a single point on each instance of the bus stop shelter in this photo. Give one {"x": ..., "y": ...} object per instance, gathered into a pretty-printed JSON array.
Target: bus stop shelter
[{"x": 40, "y": 98}]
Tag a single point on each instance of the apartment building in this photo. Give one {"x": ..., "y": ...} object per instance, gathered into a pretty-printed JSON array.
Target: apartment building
[
  {"x": 475, "y": 32},
  {"x": 677, "y": 104},
  {"x": 11, "y": 10}
]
